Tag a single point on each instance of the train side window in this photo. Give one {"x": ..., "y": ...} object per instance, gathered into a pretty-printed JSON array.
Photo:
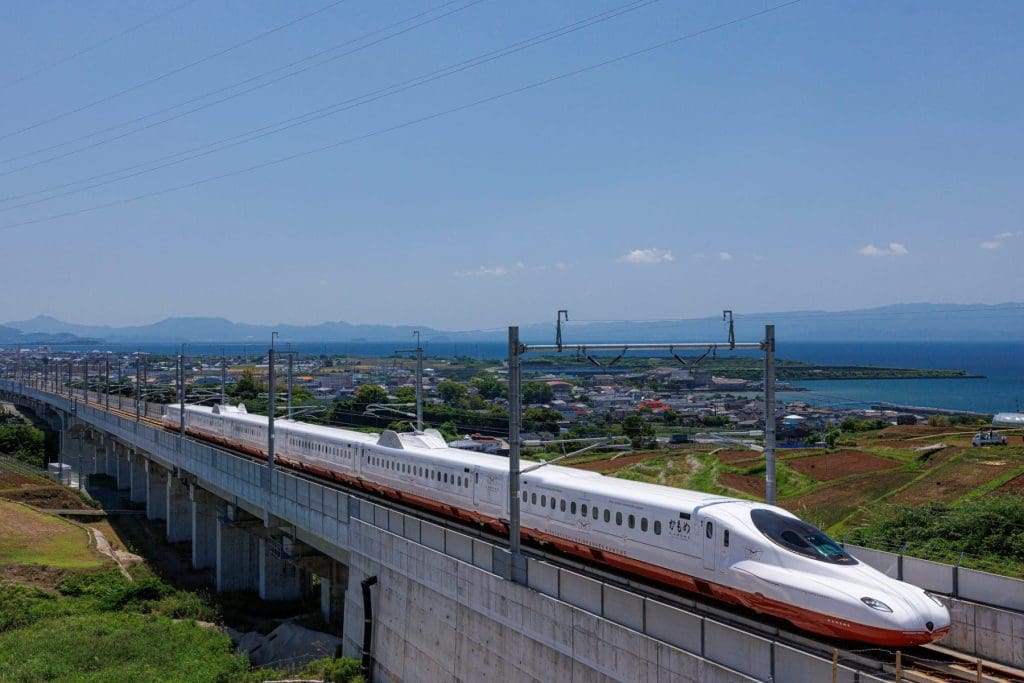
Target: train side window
[
  {"x": 460, "y": 481},
  {"x": 561, "y": 505},
  {"x": 632, "y": 522},
  {"x": 543, "y": 501},
  {"x": 533, "y": 498},
  {"x": 607, "y": 516},
  {"x": 709, "y": 529},
  {"x": 525, "y": 496},
  {"x": 725, "y": 538},
  {"x": 584, "y": 510},
  {"x": 572, "y": 508},
  {"x": 618, "y": 518},
  {"x": 594, "y": 512},
  {"x": 657, "y": 527},
  {"x": 643, "y": 524},
  {"x": 465, "y": 482},
  {"x": 552, "y": 502}
]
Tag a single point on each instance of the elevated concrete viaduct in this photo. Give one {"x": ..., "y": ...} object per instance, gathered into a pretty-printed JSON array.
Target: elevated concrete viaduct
[{"x": 443, "y": 607}]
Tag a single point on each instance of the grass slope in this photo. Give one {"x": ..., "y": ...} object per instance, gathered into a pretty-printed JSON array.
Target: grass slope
[{"x": 30, "y": 537}]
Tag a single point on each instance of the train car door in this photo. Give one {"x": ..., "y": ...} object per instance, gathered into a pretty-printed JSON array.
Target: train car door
[{"x": 708, "y": 526}]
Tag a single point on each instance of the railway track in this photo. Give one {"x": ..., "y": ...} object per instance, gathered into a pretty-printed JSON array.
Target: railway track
[{"x": 923, "y": 664}]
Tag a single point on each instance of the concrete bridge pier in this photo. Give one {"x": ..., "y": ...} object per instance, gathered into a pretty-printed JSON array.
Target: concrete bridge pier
[
  {"x": 279, "y": 579},
  {"x": 137, "y": 477},
  {"x": 332, "y": 593},
  {"x": 109, "y": 457},
  {"x": 237, "y": 549},
  {"x": 156, "y": 491},
  {"x": 179, "y": 510},
  {"x": 205, "y": 509},
  {"x": 124, "y": 475}
]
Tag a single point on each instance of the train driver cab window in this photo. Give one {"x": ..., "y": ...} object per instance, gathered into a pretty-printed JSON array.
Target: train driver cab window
[
  {"x": 799, "y": 537},
  {"x": 725, "y": 538}
]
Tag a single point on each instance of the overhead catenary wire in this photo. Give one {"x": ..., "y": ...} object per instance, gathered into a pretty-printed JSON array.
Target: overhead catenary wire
[
  {"x": 413, "y": 122},
  {"x": 93, "y": 46},
  {"x": 174, "y": 71},
  {"x": 347, "y": 104},
  {"x": 232, "y": 86}
]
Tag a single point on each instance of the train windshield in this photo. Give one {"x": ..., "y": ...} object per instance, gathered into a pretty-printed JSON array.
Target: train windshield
[{"x": 799, "y": 537}]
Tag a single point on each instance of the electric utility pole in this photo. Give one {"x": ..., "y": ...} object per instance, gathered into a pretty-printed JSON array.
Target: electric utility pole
[
  {"x": 271, "y": 408},
  {"x": 138, "y": 385},
  {"x": 181, "y": 395},
  {"x": 223, "y": 377}
]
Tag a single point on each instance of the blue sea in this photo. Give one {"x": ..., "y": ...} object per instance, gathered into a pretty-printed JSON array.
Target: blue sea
[{"x": 1001, "y": 364}]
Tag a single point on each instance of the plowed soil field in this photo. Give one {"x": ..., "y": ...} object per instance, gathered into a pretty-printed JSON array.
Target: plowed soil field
[
  {"x": 840, "y": 464},
  {"x": 748, "y": 483},
  {"x": 737, "y": 456},
  {"x": 828, "y": 505},
  {"x": 950, "y": 482},
  {"x": 1015, "y": 485}
]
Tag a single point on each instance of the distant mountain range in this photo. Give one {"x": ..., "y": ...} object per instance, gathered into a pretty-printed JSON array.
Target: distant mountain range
[{"x": 901, "y": 322}]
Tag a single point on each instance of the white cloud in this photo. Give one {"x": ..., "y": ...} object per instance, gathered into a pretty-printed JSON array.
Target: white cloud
[
  {"x": 700, "y": 255},
  {"x": 894, "y": 249},
  {"x": 562, "y": 265},
  {"x": 520, "y": 265},
  {"x": 758, "y": 258},
  {"x": 496, "y": 271},
  {"x": 648, "y": 256},
  {"x": 724, "y": 256},
  {"x": 997, "y": 240}
]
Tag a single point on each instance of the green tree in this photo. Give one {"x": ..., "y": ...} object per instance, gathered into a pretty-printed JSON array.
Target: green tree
[
  {"x": 488, "y": 386},
  {"x": 371, "y": 393},
  {"x": 451, "y": 392},
  {"x": 247, "y": 387},
  {"x": 638, "y": 430},
  {"x": 830, "y": 437},
  {"x": 406, "y": 394},
  {"x": 541, "y": 419},
  {"x": 537, "y": 392}
]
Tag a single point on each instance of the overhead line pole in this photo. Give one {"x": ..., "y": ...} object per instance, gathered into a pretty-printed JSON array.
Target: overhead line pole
[{"x": 516, "y": 350}]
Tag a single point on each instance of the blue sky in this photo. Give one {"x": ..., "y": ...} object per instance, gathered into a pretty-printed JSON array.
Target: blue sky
[{"x": 826, "y": 155}]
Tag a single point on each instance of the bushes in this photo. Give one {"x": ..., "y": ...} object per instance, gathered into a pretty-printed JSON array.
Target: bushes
[
  {"x": 334, "y": 669},
  {"x": 989, "y": 531},
  {"x": 23, "y": 441}
]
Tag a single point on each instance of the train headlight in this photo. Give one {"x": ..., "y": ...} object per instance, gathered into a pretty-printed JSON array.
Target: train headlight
[{"x": 876, "y": 604}]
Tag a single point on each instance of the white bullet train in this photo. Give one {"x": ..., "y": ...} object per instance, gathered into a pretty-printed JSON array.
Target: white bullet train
[{"x": 736, "y": 551}]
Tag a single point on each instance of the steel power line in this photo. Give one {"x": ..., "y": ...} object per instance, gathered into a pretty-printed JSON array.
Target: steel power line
[
  {"x": 227, "y": 88},
  {"x": 172, "y": 72},
  {"x": 280, "y": 126},
  {"x": 408, "y": 123},
  {"x": 100, "y": 43}
]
